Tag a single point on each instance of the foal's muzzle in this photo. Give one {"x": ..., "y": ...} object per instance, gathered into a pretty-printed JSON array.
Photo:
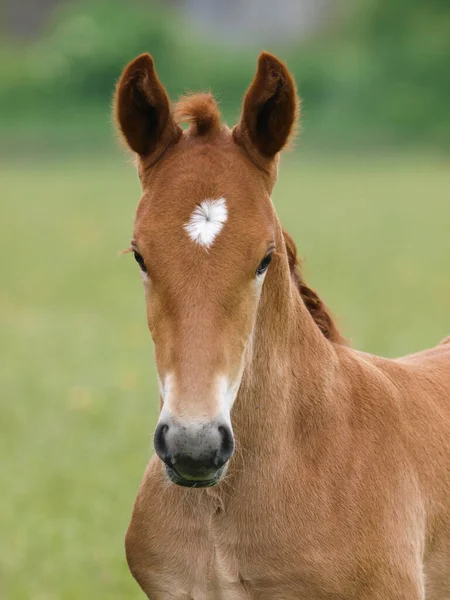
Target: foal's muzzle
[{"x": 195, "y": 456}]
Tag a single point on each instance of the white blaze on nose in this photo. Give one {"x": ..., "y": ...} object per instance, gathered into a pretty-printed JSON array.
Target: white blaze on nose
[
  {"x": 166, "y": 388},
  {"x": 207, "y": 221},
  {"x": 227, "y": 392},
  {"x": 222, "y": 396}
]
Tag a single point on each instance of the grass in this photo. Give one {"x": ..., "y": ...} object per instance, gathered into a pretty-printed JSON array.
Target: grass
[{"x": 78, "y": 394}]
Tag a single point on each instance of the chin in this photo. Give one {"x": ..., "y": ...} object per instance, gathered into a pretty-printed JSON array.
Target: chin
[{"x": 190, "y": 482}]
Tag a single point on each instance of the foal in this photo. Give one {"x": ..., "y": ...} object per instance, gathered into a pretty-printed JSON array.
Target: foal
[{"x": 287, "y": 465}]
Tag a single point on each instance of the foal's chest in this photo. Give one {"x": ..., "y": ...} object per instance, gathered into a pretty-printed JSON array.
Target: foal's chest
[
  {"x": 205, "y": 569},
  {"x": 221, "y": 564},
  {"x": 200, "y": 547},
  {"x": 220, "y": 580},
  {"x": 229, "y": 578}
]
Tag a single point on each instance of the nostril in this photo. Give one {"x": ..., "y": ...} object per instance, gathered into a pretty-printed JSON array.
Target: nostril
[
  {"x": 160, "y": 442},
  {"x": 226, "y": 447}
]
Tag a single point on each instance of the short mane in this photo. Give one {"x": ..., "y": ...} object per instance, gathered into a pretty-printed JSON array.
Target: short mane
[
  {"x": 200, "y": 111},
  {"x": 314, "y": 304}
]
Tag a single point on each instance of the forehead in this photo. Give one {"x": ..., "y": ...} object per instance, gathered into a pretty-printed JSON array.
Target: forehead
[{"x": 205, "y": 194}]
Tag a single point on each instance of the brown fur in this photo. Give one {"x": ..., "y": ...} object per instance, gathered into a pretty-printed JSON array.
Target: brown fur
[
  {"x": 201, "y": 111},
  {"x": 339, "y": 488}
]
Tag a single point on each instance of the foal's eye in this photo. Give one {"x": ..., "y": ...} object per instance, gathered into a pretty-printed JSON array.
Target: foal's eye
[
  {"x": 264, "y": 265},
  {"x": 140, "y": 261}
]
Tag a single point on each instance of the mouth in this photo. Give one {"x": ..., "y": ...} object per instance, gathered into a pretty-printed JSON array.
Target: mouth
[{"x": 178, "y": 479}]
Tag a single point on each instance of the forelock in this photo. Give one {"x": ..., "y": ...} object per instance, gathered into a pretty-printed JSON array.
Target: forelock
[{"x": 200, "y": 111}]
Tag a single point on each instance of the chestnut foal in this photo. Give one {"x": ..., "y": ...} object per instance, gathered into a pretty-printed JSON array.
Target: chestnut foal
[{"x": 287, "y": 465}]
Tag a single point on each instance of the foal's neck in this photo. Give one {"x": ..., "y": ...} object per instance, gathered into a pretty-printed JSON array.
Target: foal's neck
[{"x": 288, "y": 382}]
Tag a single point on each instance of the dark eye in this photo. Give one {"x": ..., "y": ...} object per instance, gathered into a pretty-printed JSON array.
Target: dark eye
[
  {"x": 140, "y": 261},
  {"x": 264, "y": 264}
]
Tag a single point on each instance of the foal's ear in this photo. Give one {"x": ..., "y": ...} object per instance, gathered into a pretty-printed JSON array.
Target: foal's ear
[
  {"x": 142, "y": 108},
  {"x": 270, "y": 108}
]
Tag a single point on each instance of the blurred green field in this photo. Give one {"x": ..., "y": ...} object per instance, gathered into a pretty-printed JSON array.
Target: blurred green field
[{"x": 78, "y": 393}]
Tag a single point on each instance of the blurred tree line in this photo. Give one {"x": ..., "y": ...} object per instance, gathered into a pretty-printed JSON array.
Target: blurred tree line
[{"x": 376, "y": 74}]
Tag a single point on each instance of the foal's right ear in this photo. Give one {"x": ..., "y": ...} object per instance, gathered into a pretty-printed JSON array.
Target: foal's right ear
[
  {"x": 142, "y": 108},
  {"x": 270, "y": 109}
]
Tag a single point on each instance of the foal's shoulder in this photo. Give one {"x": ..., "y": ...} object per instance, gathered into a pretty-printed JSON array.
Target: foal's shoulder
[
  {"x": 436, "y": 354},
  {"x": 412, "y": 372}
]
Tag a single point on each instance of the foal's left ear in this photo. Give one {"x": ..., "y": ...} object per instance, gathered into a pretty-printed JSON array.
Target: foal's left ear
[
  {"x": 270, "y": 109},
  {"x": 142, "y": 108}
]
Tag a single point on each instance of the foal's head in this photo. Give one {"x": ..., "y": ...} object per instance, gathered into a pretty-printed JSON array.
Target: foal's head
[{"x": 204, "y": 237}]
